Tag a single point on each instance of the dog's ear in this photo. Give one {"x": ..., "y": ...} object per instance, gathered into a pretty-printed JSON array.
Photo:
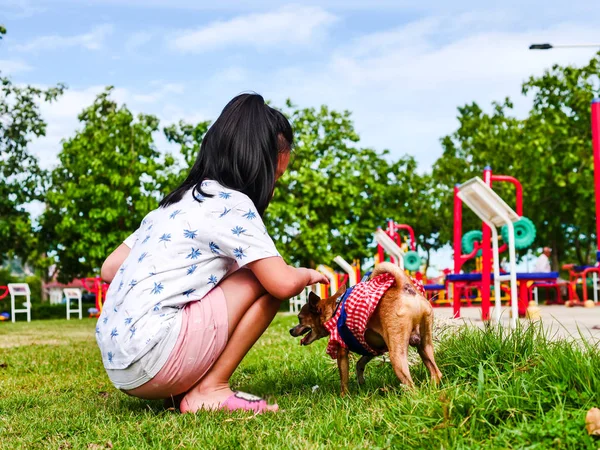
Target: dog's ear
[
  {"x": 313, "y": 302},
  {"x": 340, "y": 291}
]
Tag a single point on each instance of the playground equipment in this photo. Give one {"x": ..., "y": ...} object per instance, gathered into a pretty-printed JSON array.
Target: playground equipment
[
  {"x": 70, "y": 295},
  {"x": 595, "y": 113},
  {"x": 409, "y": 260},
  {"x": 98, "y": 287},
  {"x": 523, "y": 234},
  {"x": 3, "y": 294},
  {"x": 494, "y": 212},
  {"x": 20, "y": 290}
]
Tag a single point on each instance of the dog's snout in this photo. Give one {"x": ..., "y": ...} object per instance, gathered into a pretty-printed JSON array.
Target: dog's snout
[{"x": 292, "y": 332}]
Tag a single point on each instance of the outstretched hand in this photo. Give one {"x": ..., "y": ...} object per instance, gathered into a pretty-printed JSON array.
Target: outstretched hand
[{"x": 316, "y": 277}]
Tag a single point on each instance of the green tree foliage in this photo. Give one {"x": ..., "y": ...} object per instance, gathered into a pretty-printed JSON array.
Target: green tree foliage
[
  {"x": 335, "y": 194},
  {"x": 189, "y": 138},
  {"x": 110, "y": 176},
  {"x": 21, "y": 179},
  {"x": 549, "y": 152}
]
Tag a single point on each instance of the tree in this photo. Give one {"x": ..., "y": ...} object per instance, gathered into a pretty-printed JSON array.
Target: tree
[
  {"x": 21, "y": 179},
  {"x": 335, "y": 194},
  {"x": 110, "y": 176},
  {"x": 549, "y": 152},
  {"x": 189, "y": 138}
]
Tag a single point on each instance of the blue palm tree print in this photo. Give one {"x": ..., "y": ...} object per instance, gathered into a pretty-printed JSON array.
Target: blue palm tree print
[
  {"x": 97, "y": 330},
  {"x": 225, "y": 212},
  {"x": 142, "y": 257},
  {"x": 132, "y": 283},
  {"x": 128, "y": 320},
  {"x": 190, "y": 234},
  {"x": 113, "y": 333},
  {"x": 238, "y": 230},
  {"x": 156, "y": 307},
  {"x": 132, "y": 330},
  {"x": 122, "y": 268},
  {"x": 198, "y": 196},
  {"x": 120, "y": 286},
  {"x": 194, "y": 254},
  {"x": 192, "y": 269},
  {"x": 146, "y": 239},
  {"x": 188, "y": 292},
  {"x": 175, "y": 213},
  {"x": 110, "y": 357},
  {"x": 239, "y": 253},
  {"x": 204, "y": 183},
  {"x": 157, "y": 289},
  {"x": 212, "y": 280},
  {"x": 104, "y": 320},
  {"x": 214, "y": 248},
  {"x": 224, "y": 195},
  {"x": 166, "y": 237},
  {"x": 250, "y": 215},
  {"x": 150, "y": 227}
]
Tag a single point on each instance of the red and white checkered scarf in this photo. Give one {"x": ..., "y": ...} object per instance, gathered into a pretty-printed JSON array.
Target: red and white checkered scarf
[{"x": 360, "y": 305}]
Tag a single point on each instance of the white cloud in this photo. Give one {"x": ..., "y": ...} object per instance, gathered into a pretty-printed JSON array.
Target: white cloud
[
  {"x": 19, "y": 9},
  {"x": 92, "y": 40},
  {"x": 290, "y": 25},
  {"x": 8, "y": 67},
  {"x": 404, "y": 85},
  {"x": 61, "y": 115},
  {"x": 137, "y": 40}
]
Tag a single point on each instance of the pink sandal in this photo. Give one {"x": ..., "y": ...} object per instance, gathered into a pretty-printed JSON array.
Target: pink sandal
[{"x": 240, "y": 401}]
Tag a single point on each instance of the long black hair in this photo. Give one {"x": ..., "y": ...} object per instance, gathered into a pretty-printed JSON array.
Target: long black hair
[{"x": 240, "y": 151}]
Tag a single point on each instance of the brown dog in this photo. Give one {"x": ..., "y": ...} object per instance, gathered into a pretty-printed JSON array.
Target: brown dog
[{"x": 402, "y": 318}]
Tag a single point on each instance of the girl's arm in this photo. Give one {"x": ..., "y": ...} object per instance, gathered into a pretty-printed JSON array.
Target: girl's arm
[
  {"x": 113, "y": 262},
  {"x": 283, "y": 281}
]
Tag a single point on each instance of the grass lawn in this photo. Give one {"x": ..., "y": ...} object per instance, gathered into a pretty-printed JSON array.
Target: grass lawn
[{"x": 499, "y": 391}]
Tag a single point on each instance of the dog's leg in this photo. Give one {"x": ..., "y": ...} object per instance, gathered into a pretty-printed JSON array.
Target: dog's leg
[
  {"x": 398, "y": 345},
  {"x": 425, "y": 347},
  {"x": 343, "y": 366},
  {"x": 360, "y": 367}
]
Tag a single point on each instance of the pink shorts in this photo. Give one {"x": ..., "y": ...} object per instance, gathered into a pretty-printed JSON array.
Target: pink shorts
[{"x": 201, "y": 340}]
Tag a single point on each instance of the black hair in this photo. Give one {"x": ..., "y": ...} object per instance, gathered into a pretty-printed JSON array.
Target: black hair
[{"x": 240, "y": 151}]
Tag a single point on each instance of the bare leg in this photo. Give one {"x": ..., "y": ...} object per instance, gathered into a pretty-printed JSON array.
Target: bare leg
[
  {"x": 250, "y": 310},
  {"x": 360, "y": 367}
]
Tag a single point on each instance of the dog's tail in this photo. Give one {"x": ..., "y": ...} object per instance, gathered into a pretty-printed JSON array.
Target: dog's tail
[{"x": 386, "y": 267}]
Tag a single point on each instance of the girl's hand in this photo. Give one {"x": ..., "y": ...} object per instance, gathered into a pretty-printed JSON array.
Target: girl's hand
[{"x": 316, "y": 277}]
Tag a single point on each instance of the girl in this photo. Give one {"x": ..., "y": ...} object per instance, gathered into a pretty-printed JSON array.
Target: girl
[{"x": 199, "y": 282}]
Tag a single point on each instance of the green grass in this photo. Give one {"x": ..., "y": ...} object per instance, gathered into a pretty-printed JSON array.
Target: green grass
[{"x": 499, "y": 390}]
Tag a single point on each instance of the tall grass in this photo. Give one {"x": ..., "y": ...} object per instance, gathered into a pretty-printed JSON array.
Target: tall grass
[{"x": 501, "y": 389}]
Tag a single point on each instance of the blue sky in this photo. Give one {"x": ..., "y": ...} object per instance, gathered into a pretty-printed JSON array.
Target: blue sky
[{"x": 402, "y": 67}]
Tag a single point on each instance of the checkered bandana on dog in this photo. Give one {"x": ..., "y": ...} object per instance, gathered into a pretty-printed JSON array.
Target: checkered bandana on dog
[{"x": 359, "y": 306}]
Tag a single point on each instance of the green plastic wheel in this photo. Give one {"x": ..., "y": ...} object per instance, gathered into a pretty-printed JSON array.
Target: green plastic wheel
[
  {"x": 468, "y": 241},
  {"x": 412, "y": 261},
  {"x": 524, "y": 233}
]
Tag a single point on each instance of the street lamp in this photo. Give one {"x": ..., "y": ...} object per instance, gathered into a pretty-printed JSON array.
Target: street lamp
[
  {"x": 595, "y": 115},
  {"x": 547, "y": 46}
]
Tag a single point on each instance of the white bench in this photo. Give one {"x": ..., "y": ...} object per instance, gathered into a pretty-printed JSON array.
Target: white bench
[
  {"x": 20, "y": 290},
  {"x": 70, "y": 295}
]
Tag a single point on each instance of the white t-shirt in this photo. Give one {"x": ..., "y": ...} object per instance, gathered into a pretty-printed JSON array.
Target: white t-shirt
[
  {"x": 543, "y": 264},
  {"x": 178, "y": 254}
]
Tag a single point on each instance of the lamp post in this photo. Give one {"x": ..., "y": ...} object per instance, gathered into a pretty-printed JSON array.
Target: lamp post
[
  {"x": 547, "y": 46},
  {"x": 595, "y": 115}
]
